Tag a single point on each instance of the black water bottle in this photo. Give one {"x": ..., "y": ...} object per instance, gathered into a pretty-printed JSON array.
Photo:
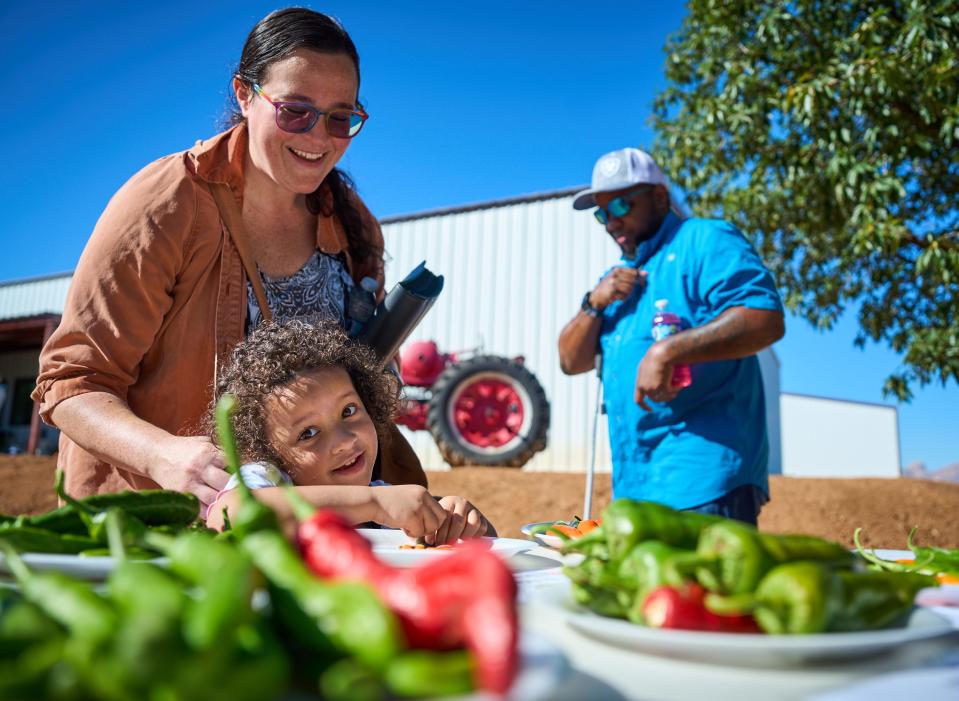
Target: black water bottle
[{"x": 362, "y": 304}]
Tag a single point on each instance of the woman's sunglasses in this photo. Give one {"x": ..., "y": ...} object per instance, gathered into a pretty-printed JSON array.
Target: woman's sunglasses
[
  {"x": 299, "y": 118},
  {"x": 619, "y": 206}
]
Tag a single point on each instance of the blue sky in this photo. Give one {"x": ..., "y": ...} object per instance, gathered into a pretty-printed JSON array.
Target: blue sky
[{"x": 470, "y": 101}]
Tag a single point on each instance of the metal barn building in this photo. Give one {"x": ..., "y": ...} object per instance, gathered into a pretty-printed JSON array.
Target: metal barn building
[{"x": 515, "y": 271}]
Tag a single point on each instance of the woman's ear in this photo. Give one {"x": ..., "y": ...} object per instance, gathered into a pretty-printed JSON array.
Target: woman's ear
[{"x": 244, "y": 94}]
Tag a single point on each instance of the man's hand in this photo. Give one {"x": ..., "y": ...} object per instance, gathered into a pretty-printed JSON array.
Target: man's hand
[
  {"x": 654, "y": 378},
  {"x": 190, "y": 464},
  {"x": 617, "y": 285}
]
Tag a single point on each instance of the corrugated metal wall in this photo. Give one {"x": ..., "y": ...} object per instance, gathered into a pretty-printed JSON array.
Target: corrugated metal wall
[
  {"x": 32, "y": 297},
  {"x": 514, "y": 275}
]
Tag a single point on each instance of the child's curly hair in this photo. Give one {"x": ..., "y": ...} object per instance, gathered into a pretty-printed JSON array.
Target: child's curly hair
[{"x": 274, "y": 354}]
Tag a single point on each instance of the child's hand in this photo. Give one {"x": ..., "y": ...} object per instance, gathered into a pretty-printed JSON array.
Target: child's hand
[
  {"x": 463, "y": 520},
  {"x": 410, "y": 507}
]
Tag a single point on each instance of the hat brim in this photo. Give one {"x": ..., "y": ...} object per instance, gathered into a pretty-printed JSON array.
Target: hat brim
[{"x": 585, "y": 199}]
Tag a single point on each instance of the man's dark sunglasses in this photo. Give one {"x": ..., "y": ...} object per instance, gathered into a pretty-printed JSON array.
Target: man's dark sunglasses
[{"x": 620, "y": 206}]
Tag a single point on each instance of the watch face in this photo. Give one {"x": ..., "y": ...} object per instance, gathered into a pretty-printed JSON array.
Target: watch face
[{"x": 586, "y": 307}]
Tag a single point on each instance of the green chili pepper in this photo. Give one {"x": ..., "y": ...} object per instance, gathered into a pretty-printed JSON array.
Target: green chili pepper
[
  {"x": 605, "y": 602},
  {"x": 421, "y": 673},
  {"x": 732, "y": 557},
  {"x": 627, "y": 522},
  {"x": 251, "y": 514},
  {"x": 642, "y": 570},
  {"x": 928, "y": 560},
  {"x": 71, "y": 603},
  {"x": 812, "y": 597},
  {"x": 348, "y": 680},
  {"x": 154, "y": 507},
  {"x": 30, "y": 674},
  {"x": 938, "y": 560},
  {"x": 22, "y": 624},
  {"x": 332, "y": 618},
  {"x": 796, "y": 597},
  {"x": 223, "y": 576},
  {"x": 875, "y": 599},
  {"x": 37, "y": 540}
]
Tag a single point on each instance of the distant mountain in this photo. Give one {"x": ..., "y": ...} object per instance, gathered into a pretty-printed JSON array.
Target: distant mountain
[{"x": 918, "y": 470}]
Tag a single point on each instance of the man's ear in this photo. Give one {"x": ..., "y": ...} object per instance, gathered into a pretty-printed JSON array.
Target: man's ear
[
  {"x": 244, "y": 94},
  {"x": 661, "y": 197}
]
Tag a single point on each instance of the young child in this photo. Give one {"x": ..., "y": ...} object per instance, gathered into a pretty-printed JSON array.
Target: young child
[{"x": 312, "y": 410}]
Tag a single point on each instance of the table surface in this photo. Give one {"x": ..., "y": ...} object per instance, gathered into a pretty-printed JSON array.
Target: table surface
[{"x": 634, "y": 675}]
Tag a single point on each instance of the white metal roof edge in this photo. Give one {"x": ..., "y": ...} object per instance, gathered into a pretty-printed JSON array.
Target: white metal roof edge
[
  {"x": 488, "y": 204},
  {"x": 36, "y": 278}
]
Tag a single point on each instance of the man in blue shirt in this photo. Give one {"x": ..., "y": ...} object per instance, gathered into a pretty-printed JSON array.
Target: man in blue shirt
[{"x": 702, "y": 447}]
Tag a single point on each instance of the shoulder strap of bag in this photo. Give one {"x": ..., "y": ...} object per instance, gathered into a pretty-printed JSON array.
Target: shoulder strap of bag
[{"x": 230, "y": 214}]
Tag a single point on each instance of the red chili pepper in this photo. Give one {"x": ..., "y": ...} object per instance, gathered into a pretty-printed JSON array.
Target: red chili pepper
[
  {"x": 682, "y": 608},
  {"x": 466, "y": 598}
]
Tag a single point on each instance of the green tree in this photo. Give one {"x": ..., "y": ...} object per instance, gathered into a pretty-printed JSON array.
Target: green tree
[{"x": 828, "y": 130}]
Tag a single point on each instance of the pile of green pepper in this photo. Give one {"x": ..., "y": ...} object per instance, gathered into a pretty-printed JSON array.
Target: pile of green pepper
[
  {"x": 712, "y": 573},
  {"x": 77, "y": 527},
  {"x": 229, "y": 616}
]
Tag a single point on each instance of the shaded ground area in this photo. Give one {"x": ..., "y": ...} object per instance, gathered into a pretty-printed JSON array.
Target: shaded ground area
[{"x": 885, "y": 508}]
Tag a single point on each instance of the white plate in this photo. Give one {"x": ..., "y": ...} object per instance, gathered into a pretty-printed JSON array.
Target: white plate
[
  {"x": 386, "y": 545},
  {"x": 751, "y": 650},
  {"x": 550, "y": 541},
  {"x": 92, "y": 568}
]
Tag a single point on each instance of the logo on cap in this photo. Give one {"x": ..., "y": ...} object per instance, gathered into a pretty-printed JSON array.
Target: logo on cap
[{"x": 609, "y": 166}]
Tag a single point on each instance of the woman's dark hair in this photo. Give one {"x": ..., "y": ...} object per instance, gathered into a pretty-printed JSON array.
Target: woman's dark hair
[
  {"x": 275, "y": 37},
  {"x": 273, "y": 356}
]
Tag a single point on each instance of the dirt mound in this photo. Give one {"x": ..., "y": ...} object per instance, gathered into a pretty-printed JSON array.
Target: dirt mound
[{"x": 886, "y": 509}]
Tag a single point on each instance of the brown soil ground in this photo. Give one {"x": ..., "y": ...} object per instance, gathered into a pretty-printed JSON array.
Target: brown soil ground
[{"x": 886, "y": 509}]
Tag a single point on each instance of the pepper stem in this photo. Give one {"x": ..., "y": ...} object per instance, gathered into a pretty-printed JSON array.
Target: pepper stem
[
  {"x": 734, "y": 605},
  {"x": 225, "y": 407},
  {"x": 16, "y": 564},
  {"x": 887, "y": 565},
  {"x": 115, "y": 536},
  {"x": 302, "y": 509},
  {"x": 84, "y": 511}
]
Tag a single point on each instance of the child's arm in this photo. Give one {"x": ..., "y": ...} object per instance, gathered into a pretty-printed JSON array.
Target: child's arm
[{"x": 408, "y": 506}]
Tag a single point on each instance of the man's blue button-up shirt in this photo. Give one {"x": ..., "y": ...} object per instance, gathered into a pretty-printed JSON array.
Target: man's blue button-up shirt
[{"x": 711, "y": 438}]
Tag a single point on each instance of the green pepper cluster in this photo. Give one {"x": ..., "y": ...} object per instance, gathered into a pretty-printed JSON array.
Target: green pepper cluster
[
  {"x": 788, "y": 583},
  {"x": 231, "y": 616},
  {"x": 78, "y": 527}
]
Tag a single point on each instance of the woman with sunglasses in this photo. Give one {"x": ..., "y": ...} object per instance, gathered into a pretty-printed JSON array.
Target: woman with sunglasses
[{"x": 195, "y": 249}]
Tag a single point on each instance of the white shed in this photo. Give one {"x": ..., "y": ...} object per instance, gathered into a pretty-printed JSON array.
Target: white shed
[{"x": 824, "y": 437}]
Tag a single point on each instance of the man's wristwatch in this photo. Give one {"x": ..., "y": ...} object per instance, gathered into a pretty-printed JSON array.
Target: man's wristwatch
[{"x": 588, "y": 308}]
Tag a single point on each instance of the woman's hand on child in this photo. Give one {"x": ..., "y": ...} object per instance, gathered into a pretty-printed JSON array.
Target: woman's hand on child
[
  {"x": 410, "y": 507},
  {"x": 190, "y": 464},
  {"x": 463, "y": 520}
]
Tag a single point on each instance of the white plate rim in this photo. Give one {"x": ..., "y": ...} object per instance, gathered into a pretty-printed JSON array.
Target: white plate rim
[
  {"x": 923, "y": 625},
  {"x": 386, "y": 544},
  {"x": 550, "y": 541},
  {"x": 94, "y": 567}
]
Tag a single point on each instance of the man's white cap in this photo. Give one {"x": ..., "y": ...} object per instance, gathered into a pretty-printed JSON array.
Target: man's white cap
[{"x": 618, "y": 170}]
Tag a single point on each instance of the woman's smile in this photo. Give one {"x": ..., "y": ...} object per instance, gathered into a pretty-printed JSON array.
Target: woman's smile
[{"x": 308, "y": 156}]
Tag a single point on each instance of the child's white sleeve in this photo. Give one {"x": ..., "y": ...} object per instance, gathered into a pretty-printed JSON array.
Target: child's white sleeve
[{"x": 258, "y": 475}]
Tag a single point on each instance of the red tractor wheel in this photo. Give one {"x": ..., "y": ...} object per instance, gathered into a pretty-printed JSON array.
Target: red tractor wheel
[{"x": 488, "y": 410}]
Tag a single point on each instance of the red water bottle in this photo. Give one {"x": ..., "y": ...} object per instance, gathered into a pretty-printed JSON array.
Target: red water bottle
[{"x": 666, "y": 324}]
